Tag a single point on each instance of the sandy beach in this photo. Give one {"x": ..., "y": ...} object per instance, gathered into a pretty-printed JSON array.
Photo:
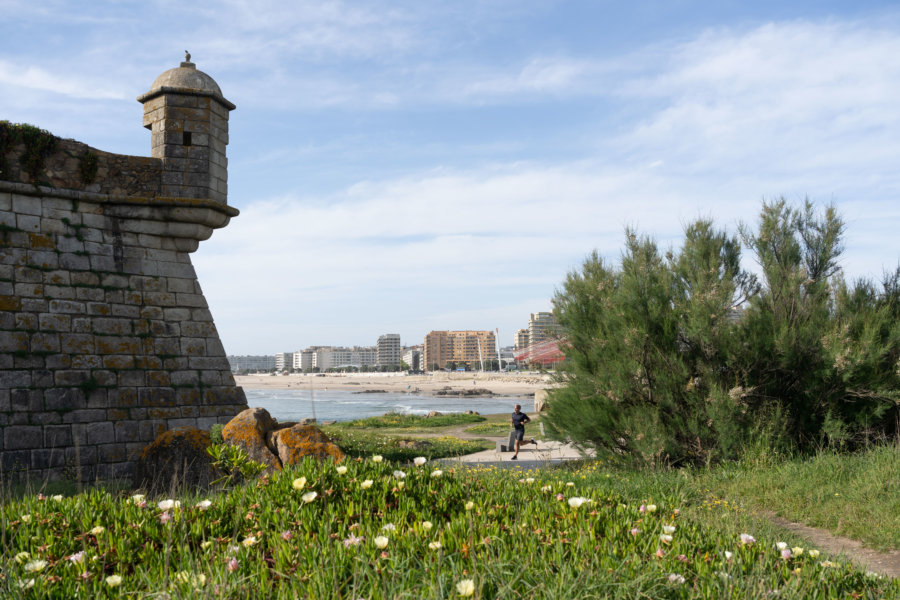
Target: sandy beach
[{"x": 499, "y": 383}]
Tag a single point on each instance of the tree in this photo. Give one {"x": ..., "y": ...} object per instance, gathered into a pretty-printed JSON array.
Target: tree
[{"x": 665, "y": 366}]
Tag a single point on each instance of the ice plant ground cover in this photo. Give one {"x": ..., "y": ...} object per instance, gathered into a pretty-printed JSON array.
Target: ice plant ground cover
[{"x": 480, "y": 533}]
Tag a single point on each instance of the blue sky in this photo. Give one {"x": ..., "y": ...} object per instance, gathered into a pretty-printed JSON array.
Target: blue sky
[{"x": 407, "y": 166}]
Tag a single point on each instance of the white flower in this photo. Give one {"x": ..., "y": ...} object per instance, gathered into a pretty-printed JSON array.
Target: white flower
[
  {"x": 366, "y": 484},
  {"x": 204, "y": 504},
  {"x": 114, "y": 581},
  {"x": 400, "y": 485},
  {"x": 435, "y": 545},
  {"x": 399, "y": 474},
  {"x": 728, "y": 555},
  {"x": 427, "y": 525},
  {"x": 168, "y": 504},
  {"x": 781, "y": 545},
  {"x": 470, "y": 505},
  {"x": 547, "y": 488},
  {"x": 98, "y": 530},
  {"x": 668, "y": 529},
  {"x": 341, "y": 470},
  {"x": 250, "y": 540},
  {"x": 577, "y": 501},
  {"x": 675, "y": 578},
  {"x": 205, "y": 545},
  {"x": 57, "y": 497},
  {"x": 466, "y": 587},
  {"x": 419, "y": 461},
  {"x": 25, "y": 518},
  {"x": 35, "y": 566},
  {"x": 299, "y": 483},
  {"x": 308, "y": 497},
  {"x": 797, "y": 551},
  {"x": 26, "y": 585},
  {"x": 665, "y": 538},
  {"x": 814, "y": 553},
  {"x": 137, "y": 498},
  {"x": 77, "y": 557},
  {"x": 437, "y": 473},
  {"x": 381, "y": 542},
  {"x": 389, "y": 527},
  {"x": 651, "y": 508},
  {"x": 377, "y": 458},
  {"x": 22, "y": 557},
  {"x": 529, "y": 480},
  {"x": 570, "y": 484},
  {"x": 746, "y": 539}
]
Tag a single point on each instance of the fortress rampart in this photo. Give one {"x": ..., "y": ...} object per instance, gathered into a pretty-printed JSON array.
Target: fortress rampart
[{"x": 106, "y": 339}]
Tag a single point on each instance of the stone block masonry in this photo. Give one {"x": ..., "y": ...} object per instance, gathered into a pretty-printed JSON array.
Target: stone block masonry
[{"x": 106, "y": 339}]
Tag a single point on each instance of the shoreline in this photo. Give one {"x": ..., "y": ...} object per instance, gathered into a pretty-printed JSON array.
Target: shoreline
[{"x": 499, "y": 384}]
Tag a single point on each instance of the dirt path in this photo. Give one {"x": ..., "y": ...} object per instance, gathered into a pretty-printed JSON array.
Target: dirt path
[{"x": 883, "y": 563}]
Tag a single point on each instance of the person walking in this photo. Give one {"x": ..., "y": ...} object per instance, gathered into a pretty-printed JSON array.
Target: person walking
[{"x": 518, "y": 424}]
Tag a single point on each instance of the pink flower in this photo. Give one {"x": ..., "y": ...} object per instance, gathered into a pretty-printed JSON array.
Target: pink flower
[
  {"x": 634, "y": 531},
  {"x": 786, "y": 554},
  {"x": 233, "y": 565},
  {"x": 660, "y": 553},
  {"x": 286, "y": 535},
  {"x": 560, "y": 497},
  {"x": 746, "y": 539},
  {"x": 165, "y": 517},
  {"x": 352, "y": 540},
  {"x": 642, "y": 509}
]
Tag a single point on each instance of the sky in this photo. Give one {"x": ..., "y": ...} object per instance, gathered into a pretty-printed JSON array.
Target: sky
[{"x": 406, "y": 166}]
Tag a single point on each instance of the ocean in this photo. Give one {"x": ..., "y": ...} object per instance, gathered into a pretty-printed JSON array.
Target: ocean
[{"x": 346, "y": 405}]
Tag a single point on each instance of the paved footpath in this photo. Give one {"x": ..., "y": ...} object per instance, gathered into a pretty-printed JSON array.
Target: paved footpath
[{"x": 546, "y": 453}]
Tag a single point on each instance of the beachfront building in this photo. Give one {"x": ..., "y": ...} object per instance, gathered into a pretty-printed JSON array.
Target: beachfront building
[
  {"x": 284, "y": 361},
  {"x": 251, "y": 363},
  {"x": 414, "y": 358},
  {"x": 459, "y": 347},
  {"x": 542, "y": 326},
  {"x": 303, "y": 360},
  {"x": 388, "y": 350},
  {"x": 521, "y": 339},
  {"x": 332, "y": 357}
]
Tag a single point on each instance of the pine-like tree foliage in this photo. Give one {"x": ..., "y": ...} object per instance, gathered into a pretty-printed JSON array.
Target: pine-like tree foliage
[{"x": 663, "y": 367}]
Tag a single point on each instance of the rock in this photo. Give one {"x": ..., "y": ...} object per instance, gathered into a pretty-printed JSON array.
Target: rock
[
  {"x": 307, "y": 421},
  {"x": 433, "y": 413},
  {"x": 540, "y": 400},
  {"x": 294, "y": 443},
  {"x": 248, "y": 430},
  {"x": 176, "y": 461}
]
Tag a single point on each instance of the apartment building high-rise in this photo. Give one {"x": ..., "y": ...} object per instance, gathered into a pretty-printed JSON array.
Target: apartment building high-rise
[
  {"x": 251, "y": 363},
  {"x": 521, "y": 339},
  {"x": 542, "y": 326},
  {"x": 388, "y": 350},
  {"x": 284, "y": 361},
  {"x": 469, "y": 347},
  {"x": 414, "y": 358}
]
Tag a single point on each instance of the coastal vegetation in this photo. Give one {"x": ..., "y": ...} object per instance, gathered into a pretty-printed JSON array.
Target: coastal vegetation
[
  {"x": 683, "y": 357},
  {"x": 373, "y": 528}
]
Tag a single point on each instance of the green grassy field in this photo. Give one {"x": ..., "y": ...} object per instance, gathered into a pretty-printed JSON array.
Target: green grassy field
[{"x": 381, "y": 529}]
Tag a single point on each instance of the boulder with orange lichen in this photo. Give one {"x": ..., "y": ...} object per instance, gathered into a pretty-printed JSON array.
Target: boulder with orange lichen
[
  {"x": 295, "y": 443},
  {"x": 248, "y": 431},
  {"x": 176, "y": 460}
]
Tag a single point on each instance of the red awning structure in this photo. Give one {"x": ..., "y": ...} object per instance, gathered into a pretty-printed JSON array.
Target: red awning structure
[{"x": 545, "y": 353}]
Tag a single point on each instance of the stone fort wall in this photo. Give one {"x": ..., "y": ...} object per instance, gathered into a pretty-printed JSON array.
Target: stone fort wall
[{"x": 106, "y": 339}]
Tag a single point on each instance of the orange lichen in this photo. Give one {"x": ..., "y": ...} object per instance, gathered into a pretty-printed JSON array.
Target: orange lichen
[{"x": 305, "y": 440}]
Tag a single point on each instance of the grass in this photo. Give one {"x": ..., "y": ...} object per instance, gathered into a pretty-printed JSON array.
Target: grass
[
  {"x": 400, "y": 448},
  {"x": 395, "y": 420},
  {"x": 384, "y": 529}
]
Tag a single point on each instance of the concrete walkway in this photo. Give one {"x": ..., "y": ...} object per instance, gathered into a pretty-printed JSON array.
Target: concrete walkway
[{"x": 546, "y": 453}]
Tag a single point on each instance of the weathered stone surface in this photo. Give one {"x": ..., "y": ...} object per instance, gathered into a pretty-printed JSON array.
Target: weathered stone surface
[
  {"x": 248, "y": 430},
  {"x": 295, "y": 443},
  {"x": 95, "y": 283},
  {"x": 176, "y": 460}
]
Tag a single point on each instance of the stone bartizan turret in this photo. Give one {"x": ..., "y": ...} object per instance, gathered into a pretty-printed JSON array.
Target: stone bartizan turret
[{"x": 188, "y": 118}]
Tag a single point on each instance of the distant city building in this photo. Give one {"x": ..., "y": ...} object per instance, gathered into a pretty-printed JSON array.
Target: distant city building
[
  {"x": 284, "y": 361},
  {"x": 388, "y": 350},
  {"x": 414, "y": 358},
  {"x": 459, "y": 347},
  {"x": 542, "y": 326},
  {"x": 251, "y": 363},
  {"x": 331, "y": 357},
  {"x": 521, "y": 339},
  {"x": 303, "y": 360}
]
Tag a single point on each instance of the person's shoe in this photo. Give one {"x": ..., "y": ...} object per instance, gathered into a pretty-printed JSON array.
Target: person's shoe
[
  {"x": 534, "y": 441},
  {"x": 514, "y": 458}
]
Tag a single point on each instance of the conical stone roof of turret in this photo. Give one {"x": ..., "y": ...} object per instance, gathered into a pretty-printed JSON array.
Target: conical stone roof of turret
[{"x": 186, "y": 79}]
